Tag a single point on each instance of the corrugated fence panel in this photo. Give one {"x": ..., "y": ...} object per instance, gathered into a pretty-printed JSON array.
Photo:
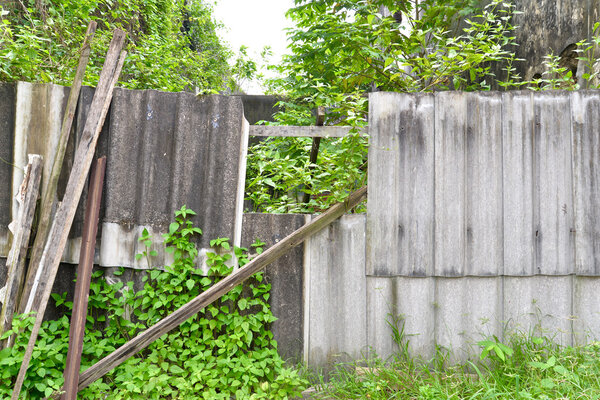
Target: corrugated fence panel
[
  {"x": 518, "y": 233},
  {"x": 484, "y": 249},
  {"x": 337, "y": 295},
  {"x": 407, "y": 302},
  {"x": 7, "y": 121},
  {"x": 542, "y": 305},
  {"x": 586, "y": 325},
  {"x": 586, "y": 180},
  {"x": 450, "y": 185},
  {"x": 553, "y": 207},
  {"x": 400, "y": 203},
  {"x": 285, "y": 276},
  {"x": 178, "y": 150}
]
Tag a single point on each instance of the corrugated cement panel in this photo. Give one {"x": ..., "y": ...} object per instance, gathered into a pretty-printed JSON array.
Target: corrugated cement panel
[
  {"x": 586, "y": 309},
  {"x": 400, "y": 203},
  {"x": 37, "y": 127},
  {"x": 450, "y": 185},
  {"x": 336, "y": 308},
  {"x": 542, "y": 305},
  {"x": 166, "y": 150},
  {"x": 7, "y": 123},
  {"x": 408, "y": 301},
  {"x": 586, "y": 180},
  {"x": 484, "y": 249},
  {"x": 518, "y": 138},
  {"x": 467, "y": 310},
  {"x": 553, "y": 196},
  {"x": 285, "y": 276}
]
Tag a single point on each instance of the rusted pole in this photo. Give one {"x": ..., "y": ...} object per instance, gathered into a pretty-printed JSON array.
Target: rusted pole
[{"x": 84, "y": 276}]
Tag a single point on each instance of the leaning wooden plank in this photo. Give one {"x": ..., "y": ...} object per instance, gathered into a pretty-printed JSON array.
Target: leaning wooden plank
[
  {"x": 59, "y": 232},
  {"x": 175, "y": 319},
  {"x": 301, "y": 131},
  {"x": 49, "y": 197},
  {"x": 15, "y": 263},
  {"x": 84, "y": 276}
]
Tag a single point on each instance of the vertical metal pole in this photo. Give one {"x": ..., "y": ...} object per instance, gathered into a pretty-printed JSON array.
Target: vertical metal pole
[{"x": 84, "y": 275}]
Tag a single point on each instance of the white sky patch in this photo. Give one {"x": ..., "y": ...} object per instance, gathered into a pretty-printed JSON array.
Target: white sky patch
[{"x": 255, "y": 24}]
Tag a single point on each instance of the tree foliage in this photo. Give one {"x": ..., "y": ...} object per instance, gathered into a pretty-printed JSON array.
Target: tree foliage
[
  {"x": 172, "y": 44},
  {"x": 342, "y": 49}
]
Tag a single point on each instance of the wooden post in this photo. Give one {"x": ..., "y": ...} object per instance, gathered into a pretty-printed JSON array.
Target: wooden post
[
  {"x": 175, "y": 319},
  {"x": 84, "y": 276},
  {"x": 59, "y": 232},
  {"x": 15, "y": 262},
  {"x": 48, "y": 198},
  {"x": 314, "y": 151}
]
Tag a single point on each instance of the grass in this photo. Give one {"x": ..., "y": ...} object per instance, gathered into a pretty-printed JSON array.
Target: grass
[{"x": 526, "y": 367}]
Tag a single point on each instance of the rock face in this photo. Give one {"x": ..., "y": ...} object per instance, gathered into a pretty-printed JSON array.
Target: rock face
[{"x": 551, "y": 26}]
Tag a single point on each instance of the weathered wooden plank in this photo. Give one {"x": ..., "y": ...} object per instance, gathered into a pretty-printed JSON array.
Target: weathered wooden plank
[
  {"x": 450, "y": 185},
  {"x": 553, "y": 196},
  {"x": 337, "y": 306},
  {"x": 84, "y": 276},
  {"x": 301, "y": 131},
  {"x": 59, "y": 231},
  {"x": 484, "y": 247},
  {"x": 586, "y": 180},
  {"x": 401, "y": 165},
  {"x": 48, "y": 201},
  {"x": 15, "y": 262},
  {"x": 518, "y": 139},
  {"x": 165, "y": 325}
]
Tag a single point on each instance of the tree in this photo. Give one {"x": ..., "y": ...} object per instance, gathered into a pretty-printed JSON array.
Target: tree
[
  {"x": 172, "y": 44},
  {"x": 342, "y": 49}
]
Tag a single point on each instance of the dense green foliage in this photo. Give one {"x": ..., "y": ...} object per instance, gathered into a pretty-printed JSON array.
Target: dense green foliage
[
  {"x": 226, "y": 350},
  {"x": 528, "y": 367},
  {"x": 340, "y": 50},
  {"x": 172, "y": 44}
]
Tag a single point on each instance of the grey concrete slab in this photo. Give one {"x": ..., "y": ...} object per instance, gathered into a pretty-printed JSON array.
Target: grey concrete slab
[
  {"x": 467, "y": 310},
  {"x": 400, "y": 210},
  {"x": 542, "y": 305},
  {"x": 450, "y": 185},
  {"x": 336, "y": 303},
  {"x": 285, "y": 276},
  {"x": 586, "y": 180},
  {"x": 483, "y": 152},
  {"x": 409, "y": 304},
  {"x": 586, "y": 309},
  {"x": 518, "y": 222},
  {"x": 553, "y": 195}
]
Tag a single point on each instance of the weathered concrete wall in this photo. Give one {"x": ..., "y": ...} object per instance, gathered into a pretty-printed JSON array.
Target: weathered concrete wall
[{"x": 482, "y": 214}]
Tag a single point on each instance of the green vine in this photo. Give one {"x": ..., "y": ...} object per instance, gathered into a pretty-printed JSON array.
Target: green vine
[{"x": 226, "y": 351}]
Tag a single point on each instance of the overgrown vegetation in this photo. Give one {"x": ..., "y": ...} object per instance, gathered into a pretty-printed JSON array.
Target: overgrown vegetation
[
  {"x": 226, "y": 350},
  {"x": 172, "y": 44},
  {"x": 527, "y": 367},
  {"x": 340, "y": 50}
]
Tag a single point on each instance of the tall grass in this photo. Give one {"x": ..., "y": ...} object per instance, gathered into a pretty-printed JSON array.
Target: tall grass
[{"x": 525, "y": 367}]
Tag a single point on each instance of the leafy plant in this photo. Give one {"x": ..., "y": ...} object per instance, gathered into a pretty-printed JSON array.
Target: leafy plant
[
  {"x": 226, "y": 350},
  {"x": 172, "y": 44}
]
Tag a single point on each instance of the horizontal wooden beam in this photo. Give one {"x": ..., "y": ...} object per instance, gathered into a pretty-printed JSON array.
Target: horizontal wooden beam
[{"x": 301, "y": 131}]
